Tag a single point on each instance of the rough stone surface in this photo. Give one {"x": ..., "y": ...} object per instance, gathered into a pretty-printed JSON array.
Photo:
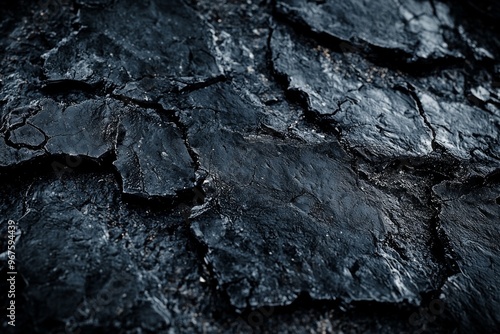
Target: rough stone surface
[
  {"x": 372, "y": 112},
  {"x": 246, "y": 167},
  {"x": 469, "y": 217},
  {"x": 152, "y": 158},
  {"x": 298, "y": 190},
  {"x": 110, "y": 45},
  {"x": 416, "y": 28}
]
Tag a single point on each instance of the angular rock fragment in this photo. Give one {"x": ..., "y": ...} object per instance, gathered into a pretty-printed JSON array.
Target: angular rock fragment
[
  {"x": 267, "y": 192},
  {"x": 467, "y": 132},
  {"x": 16, "y": 143},
  {"x": 415, "y": 28},
  {"x": 412, "y": 27},
  {"x": 152, "y": 158},
  {"x": 28, "y": 136},
  {"x": 111, "y": 46},
  {"x": 10, "y": 156},
  {"x": 151, "y": 155},
  {"x": 87, "y": 129},
  {"x": 371, "y": 114}
]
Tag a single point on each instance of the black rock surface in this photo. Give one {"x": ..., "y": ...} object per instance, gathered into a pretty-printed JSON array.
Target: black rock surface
[
  {"x": 250, "y": 166},
  {"x": 470, "y": 218},
  {"x": 414, "y": 28}
]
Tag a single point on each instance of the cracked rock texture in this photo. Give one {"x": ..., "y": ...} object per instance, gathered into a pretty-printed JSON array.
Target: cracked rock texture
[
  {"x": 251, "y": 166},
  {"x": 414, "y": 28}
]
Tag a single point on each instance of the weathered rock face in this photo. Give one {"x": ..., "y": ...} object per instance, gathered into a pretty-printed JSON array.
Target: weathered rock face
[
  {"x": 282, "y": 166},
  {"x": 376, "y": 113},
  {"x": 111, "y": 44},
  {"x": 270, "y": 191},
  {"x": 100, "y": 259},
  {"x": 162, "y": 169},
  {"x": 415, "y": 28},
  {"x": 470, "y": 218},
  {"x": 383, "y": 112}
]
